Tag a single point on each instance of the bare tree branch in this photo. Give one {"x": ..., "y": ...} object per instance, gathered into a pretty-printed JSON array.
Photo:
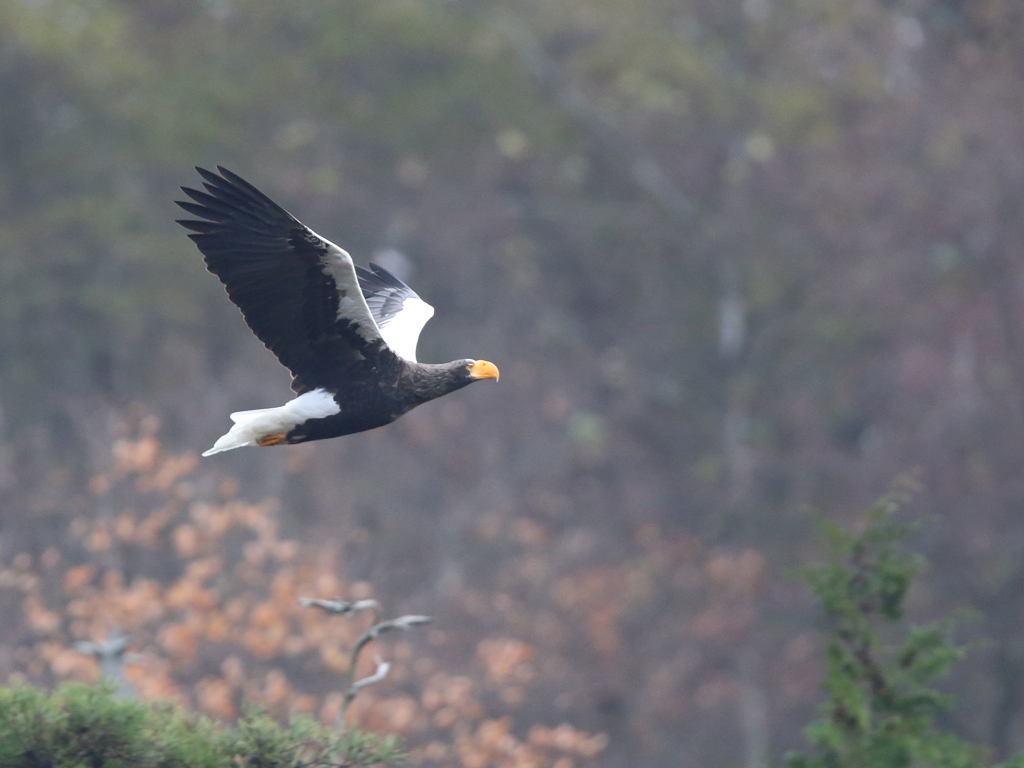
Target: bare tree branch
[{"x": 353, "y": 686}]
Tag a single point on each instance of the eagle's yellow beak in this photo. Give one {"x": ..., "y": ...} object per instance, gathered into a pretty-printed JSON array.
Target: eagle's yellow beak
[{"x": 482, "y": 369}]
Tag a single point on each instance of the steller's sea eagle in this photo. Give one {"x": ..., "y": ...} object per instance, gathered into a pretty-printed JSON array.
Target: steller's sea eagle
[{"x": 347, "y": 334}]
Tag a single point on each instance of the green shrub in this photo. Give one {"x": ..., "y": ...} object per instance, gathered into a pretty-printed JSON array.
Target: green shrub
[
  {"x": 84, "y": 726},
  {"x": 881, "y": 708}
]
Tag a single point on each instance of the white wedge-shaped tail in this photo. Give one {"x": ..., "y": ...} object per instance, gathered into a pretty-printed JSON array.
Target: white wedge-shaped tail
[{"x": 266, "y": 424}]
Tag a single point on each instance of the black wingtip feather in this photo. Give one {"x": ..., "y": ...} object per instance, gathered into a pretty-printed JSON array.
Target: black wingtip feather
[
  {"x": 387, "y": 277},
  {"x": 272, "y": 267},
  {"x": 245, "y": 186},
  {"x": 379, "y": 277}
]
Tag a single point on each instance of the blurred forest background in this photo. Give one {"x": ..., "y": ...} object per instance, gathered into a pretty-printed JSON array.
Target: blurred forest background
[{"x": 735, "y": 259}]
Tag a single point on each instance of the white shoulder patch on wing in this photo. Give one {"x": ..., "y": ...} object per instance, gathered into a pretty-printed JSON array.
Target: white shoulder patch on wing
[
  {"x": 338, "y": 265},
  {"x": 401, "y": 331}
]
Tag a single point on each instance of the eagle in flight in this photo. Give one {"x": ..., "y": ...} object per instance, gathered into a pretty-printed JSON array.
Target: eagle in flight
[{"x": 347, "y": 334}]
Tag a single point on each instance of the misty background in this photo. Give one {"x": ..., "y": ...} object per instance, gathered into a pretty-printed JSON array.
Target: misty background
[{"x": 735, "y": 261}]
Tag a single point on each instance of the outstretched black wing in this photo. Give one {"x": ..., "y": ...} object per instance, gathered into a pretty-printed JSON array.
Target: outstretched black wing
[
  {"x": 297, "y": 291},
  {"x": 398, "y": 312}
]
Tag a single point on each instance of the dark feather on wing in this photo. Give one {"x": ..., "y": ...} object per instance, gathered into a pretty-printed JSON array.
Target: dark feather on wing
[
  {"x": 384, "y": 293},
  {"x": 273, "y": 269}
]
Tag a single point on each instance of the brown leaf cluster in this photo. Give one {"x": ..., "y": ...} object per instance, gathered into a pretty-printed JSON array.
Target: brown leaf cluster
[{"x": 208, "y": 592}]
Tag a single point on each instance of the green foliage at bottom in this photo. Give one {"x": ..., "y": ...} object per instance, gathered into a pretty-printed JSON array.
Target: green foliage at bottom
[
  {"x": 881, "y": 708},
  {"x": 85, "y": 726}
]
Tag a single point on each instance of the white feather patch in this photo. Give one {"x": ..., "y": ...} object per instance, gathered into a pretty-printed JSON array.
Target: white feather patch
[
  {"x": 401, "y": 331},
  {"x": 338, "y": 265},
  {"x": 250, "y": 426}
]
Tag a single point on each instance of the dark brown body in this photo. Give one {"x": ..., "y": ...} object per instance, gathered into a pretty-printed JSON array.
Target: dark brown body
[{"x": 373, "y": 400}]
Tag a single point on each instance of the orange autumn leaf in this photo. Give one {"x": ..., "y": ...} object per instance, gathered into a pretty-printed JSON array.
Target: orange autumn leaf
[
  {"x": 503, "y": 657},
  {"x": 77, "y": 577},
  {"x": 216, "y": 696},
  {"x": 39, "y": 618}
]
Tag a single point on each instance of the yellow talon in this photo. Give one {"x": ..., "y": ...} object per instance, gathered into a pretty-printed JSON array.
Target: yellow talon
[{"x": 275, "y": 439}]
